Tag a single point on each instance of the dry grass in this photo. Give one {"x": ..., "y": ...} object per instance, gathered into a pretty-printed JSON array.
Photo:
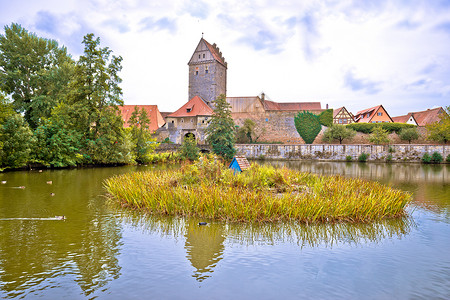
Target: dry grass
[{"x": 207, "y": 189}]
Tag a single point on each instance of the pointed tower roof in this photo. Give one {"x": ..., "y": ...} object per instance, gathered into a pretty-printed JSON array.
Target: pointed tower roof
[{"x": 213, "y": 49}]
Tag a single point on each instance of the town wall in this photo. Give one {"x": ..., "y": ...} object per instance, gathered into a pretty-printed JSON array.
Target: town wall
[{"x": 400, "y": 153}]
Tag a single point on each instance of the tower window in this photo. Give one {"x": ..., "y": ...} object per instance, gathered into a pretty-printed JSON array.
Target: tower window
[
  {"x": 203, "y": 55},
  {"x": 206, "y": 70},
  {"x": 196, "y": 71},
  {"x": 199, "y": 56}
]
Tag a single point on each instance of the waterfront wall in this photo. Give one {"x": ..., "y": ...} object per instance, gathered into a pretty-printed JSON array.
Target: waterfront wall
[{"x": 402, "y": 153}]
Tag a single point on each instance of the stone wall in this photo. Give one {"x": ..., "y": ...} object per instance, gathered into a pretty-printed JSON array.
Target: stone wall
[{"x": 403, "y": 153}]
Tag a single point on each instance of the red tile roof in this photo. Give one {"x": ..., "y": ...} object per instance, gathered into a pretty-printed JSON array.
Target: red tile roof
[
  {"x": 197, "y": 106},
  {"x": 156, "y": 119},
  {"x": 361, "y": 116},
  {"x": 401, "y": 119},
  {"x": 428, "y": 116},
  {"x": 336, "y": 111}
]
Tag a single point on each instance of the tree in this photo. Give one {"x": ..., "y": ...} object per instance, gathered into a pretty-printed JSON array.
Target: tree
[
  {"x": 249, "y": 132},
  {"x": 338, "y": 132},
  {"x": 379, "y": 136},
  {"x": 143, "y": 143},
  {"x": 92, "y": 105},
  {"x": 189, "y": 149},
  {"x": 326, "y": 117},
  {"x": 308, "y": 126},
  {"x": 408, "y": 134},
  {"x": 34, "y": 71},
  {"x": 440, "y": 131},
  {"x": 17, "y": 141},
  {"x": 220, "y": 131}
]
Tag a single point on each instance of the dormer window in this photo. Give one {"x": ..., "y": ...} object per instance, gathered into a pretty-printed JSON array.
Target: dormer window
[{"x": 188, "y": 109}]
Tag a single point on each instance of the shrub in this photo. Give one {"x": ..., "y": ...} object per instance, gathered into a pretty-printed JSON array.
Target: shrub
[
  {"x": 363, "y": 157},
  {"x": 389, "y": 158},
  {"x": 348, "y": 158},
  {"x": 326, "y": 117},
  {"x": 436, "y": 157},
  {"x": 391, "y": 150},
  {"x": 389, "y": 127},
  {"x": 396, "y": 127},
  {"x": 189, "y": 149},
  {"x": 408, "y": 134},
  {"x": 379, "y": 136},
  {"x": 338, "y": 132},
  {"x": 448, "y": 158},
  {"x": 308, "y": 126},
  {"x": 426, "y": 158}
]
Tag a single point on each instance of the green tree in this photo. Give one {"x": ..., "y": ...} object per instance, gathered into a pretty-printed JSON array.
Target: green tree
[
  {"x": 308, "y": 126},
  {"x": 326, "y": 117},
  {"x": 143, "y": 143},
  {"x": 92, "y": 105},
  {"x": 379, "y": 136},
  {"x": 189, "y": 149},
  {"x": 249, "y": 132},
  {"x": 338, "y": 132},
  {"x": 34, "y": 71},
  {"x": 220, "y": 131},
  {"x": 440, "y": 131},
  {"x": 17, "y": 141},
  {"x": 408, "y": 134}
]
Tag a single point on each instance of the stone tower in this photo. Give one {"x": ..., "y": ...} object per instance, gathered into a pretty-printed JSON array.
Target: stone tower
[{"x": 207, "y": 72}]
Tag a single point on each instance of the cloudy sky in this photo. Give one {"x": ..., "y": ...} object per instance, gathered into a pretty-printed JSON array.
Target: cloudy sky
[{"x": 356, "y": 54}]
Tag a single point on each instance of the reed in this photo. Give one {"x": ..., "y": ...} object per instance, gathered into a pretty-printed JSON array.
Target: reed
[{"x": 207, "y": 189}]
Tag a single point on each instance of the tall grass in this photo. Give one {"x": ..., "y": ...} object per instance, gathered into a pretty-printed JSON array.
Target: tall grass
[{"x": 207, "y": 189}]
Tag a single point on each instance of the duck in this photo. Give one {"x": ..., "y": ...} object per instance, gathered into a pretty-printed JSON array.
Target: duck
[{"x": 202, "y": 223}]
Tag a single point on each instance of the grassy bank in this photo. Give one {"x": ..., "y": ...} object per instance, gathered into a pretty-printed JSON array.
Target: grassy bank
[{"x": 207, "y": 189}]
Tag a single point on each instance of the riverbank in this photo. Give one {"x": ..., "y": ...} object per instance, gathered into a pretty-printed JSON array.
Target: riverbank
[
  {"x": 327, "y": 152},
  {"x": 208, "y": 189}
]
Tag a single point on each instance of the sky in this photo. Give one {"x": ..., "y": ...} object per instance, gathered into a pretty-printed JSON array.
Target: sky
[{"x": 356, "y": 54}]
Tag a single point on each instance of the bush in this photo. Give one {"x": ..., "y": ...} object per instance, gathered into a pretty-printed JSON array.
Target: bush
[
  {"x": 363, "y": 157},
  {"x": 189, "y": 149},
  {"x": 408, "y": 134},
  {"x": 436, "y": 157},
  {"x": 391, "y": 150},
  {"x": 426, "y": 158},
  {"x": 448, "y": 158},
  {"x": 379, "y": 136},
  {"x": 326, "y": 117},
  {"x": 389, "y": 158},
  {"x": 308, "y": 126},
  {"x": 349, "y": 158},
  {"x": 389, "y": 127}
]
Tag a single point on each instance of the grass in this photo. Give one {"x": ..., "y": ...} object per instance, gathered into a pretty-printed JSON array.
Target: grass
[{"x": 207, "y": 189}]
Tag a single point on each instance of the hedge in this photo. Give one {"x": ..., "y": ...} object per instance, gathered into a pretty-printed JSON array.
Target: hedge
[{"x": 390, "y": 127}]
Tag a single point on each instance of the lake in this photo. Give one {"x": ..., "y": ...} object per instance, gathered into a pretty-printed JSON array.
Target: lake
[{"x": 101, "y": 251}]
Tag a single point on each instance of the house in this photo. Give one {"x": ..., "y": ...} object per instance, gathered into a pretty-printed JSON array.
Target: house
[
  {"x": 342, "y": 116},
  {"x": 156, "y": 119},
  {"x": 189, "y": 120},
  {"x": 421, "y": 118},
  {"x": 239, "y": 164},
  {"x": 375, "y": 114},
  {"x": 408, "y": 119}
]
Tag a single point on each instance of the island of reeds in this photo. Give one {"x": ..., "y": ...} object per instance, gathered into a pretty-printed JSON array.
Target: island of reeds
[{"x": 208, "y": 189}]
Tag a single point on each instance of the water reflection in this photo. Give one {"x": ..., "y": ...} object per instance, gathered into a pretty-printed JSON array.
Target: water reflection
[{"x": 34, "y": 252}]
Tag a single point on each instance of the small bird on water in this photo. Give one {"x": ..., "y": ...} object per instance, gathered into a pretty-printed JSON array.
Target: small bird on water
[{"x": 202, "y": 223}]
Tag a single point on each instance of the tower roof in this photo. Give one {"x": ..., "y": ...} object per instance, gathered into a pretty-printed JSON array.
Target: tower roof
[{"x": 213, "y": 49}]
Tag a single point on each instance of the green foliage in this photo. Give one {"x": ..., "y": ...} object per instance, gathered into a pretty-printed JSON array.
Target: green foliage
[
  {"x": 141, "y": 137},
  {"x": 338, "y": 132},
  {"x": 409, "y": 134},
  {"x": 250, "y": 132},
  {"x": 389, "y": 158},
  {"x": 436, "y": 157},
  {"x": 17, "y": 142},
  {"x": 440, "y": 131},
  {"x": 448, "y": 158},
  {"x": 164, "y": 157},
  {"x": 308, "y": 126},
  {"x": 369, "y": 127},
  {"x": 379, "y": 136},
  {"x": 363, "y": 157},
  {"x": 391, "y": 149},
  {"x": 426, "y": 158},
  {"x": 35, "y": 72},
  {"x": 220, "y": 131},
  {"x": 348, "y": 158},
  {"x": 326, "y": 117},
  {"x": 189, "y": 149}
]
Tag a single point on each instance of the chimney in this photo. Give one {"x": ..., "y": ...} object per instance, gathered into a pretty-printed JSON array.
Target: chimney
[
  {"x": 326, "y": 106},
  {"x": 263, "y": 96}
]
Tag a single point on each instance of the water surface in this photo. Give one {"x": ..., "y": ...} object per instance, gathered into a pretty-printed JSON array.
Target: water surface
[{"x": 103, "y": 252}]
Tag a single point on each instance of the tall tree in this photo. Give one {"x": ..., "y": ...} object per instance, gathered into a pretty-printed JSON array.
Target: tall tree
[
  {"x": 220, "y": 131},
  {"x": 143, "y": 143},
  {"x": 34, "y": 71},
  {"x": 92, "y": 104}
]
